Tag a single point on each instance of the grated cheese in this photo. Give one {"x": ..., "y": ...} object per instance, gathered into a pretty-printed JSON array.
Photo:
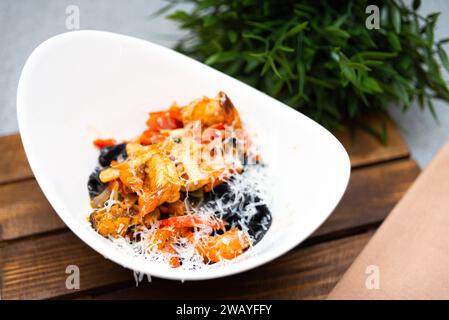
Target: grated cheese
[{"x": 252, "y": 183}]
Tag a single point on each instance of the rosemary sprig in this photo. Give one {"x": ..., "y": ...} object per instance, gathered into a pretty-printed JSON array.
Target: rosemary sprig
[{"x": 318, "y": 56}]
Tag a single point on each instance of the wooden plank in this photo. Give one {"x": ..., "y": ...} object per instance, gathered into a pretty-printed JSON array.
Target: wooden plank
[
  {"x": 13, "y": 162},
  {"x": 24, "y": 211},
  {"x": 304, "y": 273},
  {"x": 364, "y": 149},
  {"x": 33, "y": 271},
  {"x": 35, "y": 268},
  {"x": 30, "y": 268},
  {"x": 371, "y": 194}
]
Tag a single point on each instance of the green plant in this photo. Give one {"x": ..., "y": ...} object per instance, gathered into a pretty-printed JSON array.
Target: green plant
[{"x": 318, "y": 56}]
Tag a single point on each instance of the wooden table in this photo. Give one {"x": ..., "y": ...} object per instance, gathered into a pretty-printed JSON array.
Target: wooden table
[{"x": 36, "y": 247}]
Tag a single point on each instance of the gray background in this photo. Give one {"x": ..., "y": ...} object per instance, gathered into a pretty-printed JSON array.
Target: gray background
[{"x": 26, "y": 23}]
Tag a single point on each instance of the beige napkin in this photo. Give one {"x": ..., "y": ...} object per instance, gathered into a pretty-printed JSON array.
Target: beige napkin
[{"x": 408, "y": 256}]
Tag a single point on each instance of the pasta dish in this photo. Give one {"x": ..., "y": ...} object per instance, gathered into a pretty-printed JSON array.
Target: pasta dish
[{"x": 185, "y": 191}]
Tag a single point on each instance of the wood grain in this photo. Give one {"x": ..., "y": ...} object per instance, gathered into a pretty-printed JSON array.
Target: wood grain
[
  {"x": 303, "y": 273},
  {"x": 365, "y": 149},
  {"x": 371, "y": 194},
  {"x": 32, "y": 267},
  {"x": 36, "y": 270},
  {"x": 13, "y": 162},
  {"x": 24, "y": 211}
]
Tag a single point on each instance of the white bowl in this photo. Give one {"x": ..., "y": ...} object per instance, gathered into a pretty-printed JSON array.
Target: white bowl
[{"x": 82, "y": 85}]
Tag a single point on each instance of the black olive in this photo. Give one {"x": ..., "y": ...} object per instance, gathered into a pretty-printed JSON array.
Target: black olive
[
  {"x": 219, "y": 191},
  {"x": 94, "y": 184},
  {"x": 112, "y": 153},
  {"x": 107, "y": 154},
  {"x": 259, "y": 223}
]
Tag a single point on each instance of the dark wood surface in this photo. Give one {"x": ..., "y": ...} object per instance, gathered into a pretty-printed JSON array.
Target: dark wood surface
[{"x": 36, "y": 247}]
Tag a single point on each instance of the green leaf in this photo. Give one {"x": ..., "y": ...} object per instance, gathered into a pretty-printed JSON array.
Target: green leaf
[
  {"x": 393, "y": 39},
  {"x": 443, "y": 57},
  {"x": 250, "y": 66},
  {"x": 274, "y": 68},
  {"x": 432, "y": 110},
  {"x": 162, "y": 10},
  {"x": 402, "y": 94},
  {"x": 416, "y": 4},
  {"x": 373, "y": 63},
  {"x": 296, "y": 29},
  {"x": 336, "y": 31},
  {"x": 285, "y": 48},
  {"x": 254, "y": 36},
  {"x": 429, "y": 29},
  {"x": 283, "y": 62},
  {"x": 384, "y": 14},
  {"x": 259, "y": 25},
  {"x": 433, "y": 17},
  {"x": 396, "y": 18},
  {"x": 379, "y": 55},
  {"x": 372, "y": 85},
  {"x": 335, "y": 56},
  {"x": 221, "y": 57},
  {"x": 327, "y": 83},
  {"x": 301, "y": 77},
  {"x": 179, "y": 15},
  {"x": 233, "y": 36},
  {"x": 340, "y": 21},
  {"x": 210, "y": 20},
  {"x": 358, "y": 66},
  {"x": 348, "y": 73}
]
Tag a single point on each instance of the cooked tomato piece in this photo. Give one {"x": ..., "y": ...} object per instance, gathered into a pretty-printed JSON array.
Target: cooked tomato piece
[
  {"x": 103, "y": 143},
  {"x": 152, "y": 136},
  {"x": 175, "y": 113},
  {"x": 163, "y": 120}
]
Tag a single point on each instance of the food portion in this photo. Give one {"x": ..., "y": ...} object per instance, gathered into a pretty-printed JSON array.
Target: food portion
[{"x": 186, "y": 190}]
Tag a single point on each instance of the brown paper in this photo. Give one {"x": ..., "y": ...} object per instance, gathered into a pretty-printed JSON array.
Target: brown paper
[{"x": 408, "y": 256}]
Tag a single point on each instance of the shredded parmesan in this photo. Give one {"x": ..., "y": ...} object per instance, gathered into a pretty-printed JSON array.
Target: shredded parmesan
[
  {"x": 215, "y": 171},
  {"x": 251, "y": 183}
]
